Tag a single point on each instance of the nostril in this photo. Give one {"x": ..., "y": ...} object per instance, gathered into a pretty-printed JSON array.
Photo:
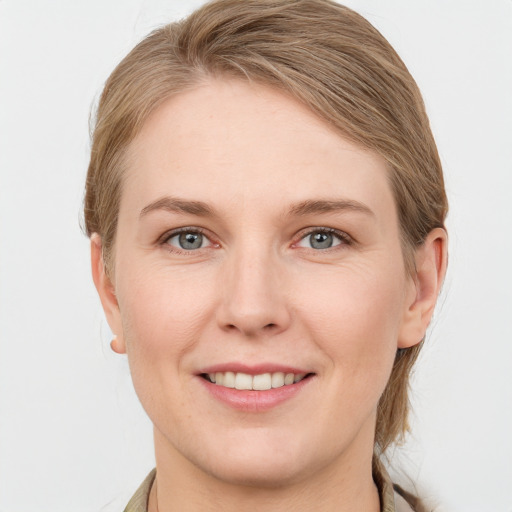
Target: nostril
[{"x": 251, "y": 327}]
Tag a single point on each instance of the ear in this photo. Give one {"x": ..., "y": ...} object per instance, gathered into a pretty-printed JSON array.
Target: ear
[
  {"x": 431, "y": 259},
  {"x": 107, "y": 294}
]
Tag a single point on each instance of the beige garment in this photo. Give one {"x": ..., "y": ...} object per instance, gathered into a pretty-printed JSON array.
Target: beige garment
[
  {"x": 139, "y": 501},
  {"x": 390, "y": 500}
]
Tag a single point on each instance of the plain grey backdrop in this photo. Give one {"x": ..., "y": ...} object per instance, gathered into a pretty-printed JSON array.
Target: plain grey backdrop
[{"x": 72, "y": 434}]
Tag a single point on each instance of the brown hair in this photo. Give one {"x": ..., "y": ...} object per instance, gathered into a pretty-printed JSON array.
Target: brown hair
[{"x": 324, "y": 55}]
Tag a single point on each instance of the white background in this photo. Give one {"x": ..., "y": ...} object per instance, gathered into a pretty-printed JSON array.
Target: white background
[{"x": 72, "y": 435}]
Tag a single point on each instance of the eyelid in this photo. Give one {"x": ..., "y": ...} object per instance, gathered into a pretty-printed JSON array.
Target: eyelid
[
  {"x": 163, "y": 239},
  {"x": 345, "y": 238}
]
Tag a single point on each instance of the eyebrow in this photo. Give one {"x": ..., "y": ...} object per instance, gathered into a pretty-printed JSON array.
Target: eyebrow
[
  {"x": 329, "y": 206},
  {"x": 308, "y": 207},
  {"x": 173, "y": 204}
]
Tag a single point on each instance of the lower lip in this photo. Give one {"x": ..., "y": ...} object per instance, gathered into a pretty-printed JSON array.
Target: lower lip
[{"x": 254, "y": 401}]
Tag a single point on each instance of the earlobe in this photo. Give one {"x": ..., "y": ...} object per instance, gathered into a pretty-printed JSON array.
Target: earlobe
[
  {"x": 431, "y": 261},
  {"x": 106, "y": 292},
  {"x": 117, "y": 345}
]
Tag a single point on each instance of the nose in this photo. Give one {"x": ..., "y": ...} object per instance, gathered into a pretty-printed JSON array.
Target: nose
[{"x": 253, "y": 295}]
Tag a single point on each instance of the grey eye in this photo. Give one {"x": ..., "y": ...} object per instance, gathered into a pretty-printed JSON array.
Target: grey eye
[
  {"x": 188, "y": 240},
  {"x": 320, "y": 240}
]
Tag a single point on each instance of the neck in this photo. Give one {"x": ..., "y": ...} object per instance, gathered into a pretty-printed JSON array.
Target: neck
[{"x": 345, "y": 486}]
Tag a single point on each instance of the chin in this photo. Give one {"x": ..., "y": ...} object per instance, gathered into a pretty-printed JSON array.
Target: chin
[
  {"x": 262, "y": 461},
  {"x": 259, "y": 473}
]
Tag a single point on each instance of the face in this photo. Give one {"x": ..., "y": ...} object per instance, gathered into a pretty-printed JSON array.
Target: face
[{"x": 260, "y": 289}]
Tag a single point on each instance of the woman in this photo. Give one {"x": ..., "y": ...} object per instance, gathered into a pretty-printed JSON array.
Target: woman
[{"x": 266, "y": 209}]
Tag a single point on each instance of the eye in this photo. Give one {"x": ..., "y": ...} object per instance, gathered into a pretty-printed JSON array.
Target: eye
[
  {"x": 188, "y": 240},
  {"x": 323, "y": 239}
]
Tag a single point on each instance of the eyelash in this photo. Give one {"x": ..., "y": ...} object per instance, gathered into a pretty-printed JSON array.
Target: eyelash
[
  {"x": 164, "y": 239},
  {"x": 344, "y": 238}
]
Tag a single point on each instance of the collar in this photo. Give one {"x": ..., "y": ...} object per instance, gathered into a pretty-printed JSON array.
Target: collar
[{"x": 139, "y": 501}]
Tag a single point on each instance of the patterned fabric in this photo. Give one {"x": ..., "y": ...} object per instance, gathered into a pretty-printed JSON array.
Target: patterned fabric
[{"x": 390, "y": 500}]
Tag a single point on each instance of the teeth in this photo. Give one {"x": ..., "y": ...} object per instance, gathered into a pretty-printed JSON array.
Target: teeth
[
  {"x": 261, "y": 382},
  {"x": 243, "y": 381},
  {"x": 229, "y": 380},
  {"x": 289, "y": 379},
  {"x": 277, "y": 380}
]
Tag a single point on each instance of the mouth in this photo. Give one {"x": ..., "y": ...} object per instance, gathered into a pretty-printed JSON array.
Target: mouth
[
  {"x": 254, "y": 388},
  {"x": 260, "y": 382}
]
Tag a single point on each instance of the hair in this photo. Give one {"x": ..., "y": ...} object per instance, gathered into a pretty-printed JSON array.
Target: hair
[{"x": 328, "y": 58}]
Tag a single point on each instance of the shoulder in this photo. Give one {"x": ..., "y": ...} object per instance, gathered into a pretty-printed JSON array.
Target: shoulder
[{"x": 139, "y": 501}]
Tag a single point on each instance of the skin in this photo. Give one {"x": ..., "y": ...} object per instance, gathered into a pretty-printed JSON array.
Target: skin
[{"x": 258, "y": 292}]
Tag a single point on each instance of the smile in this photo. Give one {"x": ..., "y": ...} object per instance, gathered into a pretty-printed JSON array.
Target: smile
[
  {"x": 260, "y": 382},
  {"x": 254, "y": 388}
]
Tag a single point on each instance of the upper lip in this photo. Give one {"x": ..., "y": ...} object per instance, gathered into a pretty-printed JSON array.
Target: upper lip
[{"x": 252, "y": 369}]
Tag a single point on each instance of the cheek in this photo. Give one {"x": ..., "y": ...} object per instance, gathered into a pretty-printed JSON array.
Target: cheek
[
  {"x": 162, "y": 311},
  {"x": 163, "y": 314},
  {"x": 354, "y": 317},
  {"x": 355, "y": 299}
]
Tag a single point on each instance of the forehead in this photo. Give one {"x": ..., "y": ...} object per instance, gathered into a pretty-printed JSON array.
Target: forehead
[{"x": 230, "y": 141}]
